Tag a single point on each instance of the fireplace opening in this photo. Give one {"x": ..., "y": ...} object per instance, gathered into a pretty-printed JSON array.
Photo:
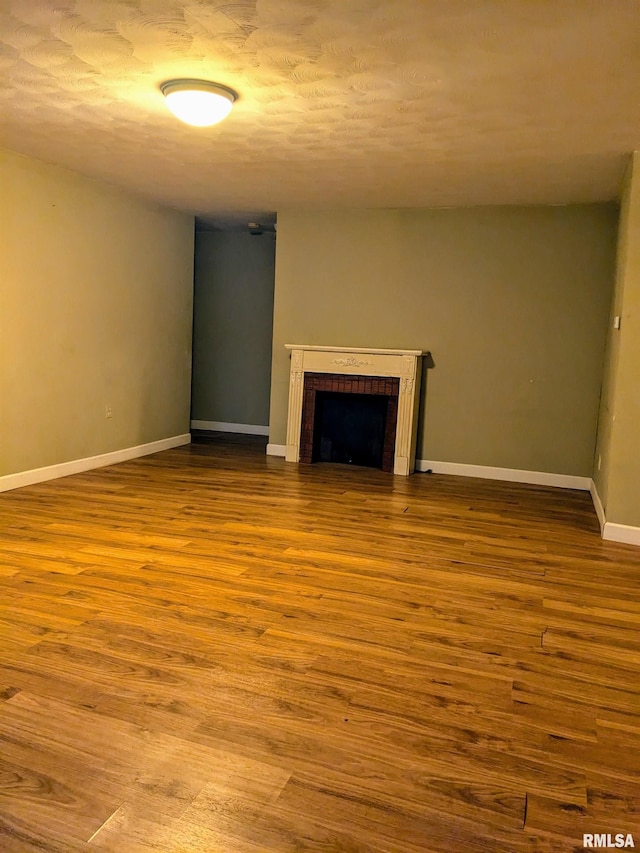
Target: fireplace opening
[
  {"x": 349, "y": 428},
  {"x": 335, "y": 429}
]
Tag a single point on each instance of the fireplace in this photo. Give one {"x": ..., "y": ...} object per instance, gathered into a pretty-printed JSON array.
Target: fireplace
[{"x": 351, "y": 405}]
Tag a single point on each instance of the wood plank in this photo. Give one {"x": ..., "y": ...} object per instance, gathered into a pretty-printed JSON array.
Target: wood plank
[{"x": 212, "y": 650}]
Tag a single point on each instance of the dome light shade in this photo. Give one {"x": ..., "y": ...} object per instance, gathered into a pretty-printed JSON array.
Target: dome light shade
[{"x": 198, "y": 102}]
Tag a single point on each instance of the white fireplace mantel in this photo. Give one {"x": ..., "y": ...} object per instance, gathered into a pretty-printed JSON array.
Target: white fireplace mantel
[{"x": 405, "y": 364}]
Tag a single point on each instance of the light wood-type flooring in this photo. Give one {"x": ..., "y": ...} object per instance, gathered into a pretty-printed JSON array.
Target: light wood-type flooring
[{"x": 212, "y": 651}]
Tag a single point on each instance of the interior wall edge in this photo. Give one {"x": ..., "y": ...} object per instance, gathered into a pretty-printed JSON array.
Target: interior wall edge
[{"x": 597, "y": 504}]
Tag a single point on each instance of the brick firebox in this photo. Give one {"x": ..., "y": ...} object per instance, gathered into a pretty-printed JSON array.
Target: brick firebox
[{"x": 343, "y": 384}]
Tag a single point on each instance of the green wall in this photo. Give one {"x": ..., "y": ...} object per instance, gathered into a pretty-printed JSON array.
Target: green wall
[
  {"x": 512, "y": 303},
  {"x": 233, "y": 312},
  {"x": 95, "y": 311},
  {"x": 617, "y": 464}
]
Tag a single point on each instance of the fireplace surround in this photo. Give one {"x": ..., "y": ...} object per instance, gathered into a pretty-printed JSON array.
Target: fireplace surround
[{"x": 353, "y": 370}]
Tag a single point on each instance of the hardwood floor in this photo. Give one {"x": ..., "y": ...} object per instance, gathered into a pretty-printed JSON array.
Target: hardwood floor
[{"x": 210, "y": 650}]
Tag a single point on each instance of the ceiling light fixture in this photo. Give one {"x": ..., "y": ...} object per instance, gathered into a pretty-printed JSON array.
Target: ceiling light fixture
[{"x": 198, "y": 102}]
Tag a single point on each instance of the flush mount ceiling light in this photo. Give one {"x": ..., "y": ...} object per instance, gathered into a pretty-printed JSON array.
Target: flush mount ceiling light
[{"x": 198, "y": 102}]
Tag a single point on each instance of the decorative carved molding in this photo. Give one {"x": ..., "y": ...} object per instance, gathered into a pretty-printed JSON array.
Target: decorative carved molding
[
  {"x": 351, "y": 362},
  {"x": 409, "y": 363}
]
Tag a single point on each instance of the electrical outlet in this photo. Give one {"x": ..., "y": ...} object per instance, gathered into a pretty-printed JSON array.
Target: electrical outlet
[{"x": 107, "y": 412}]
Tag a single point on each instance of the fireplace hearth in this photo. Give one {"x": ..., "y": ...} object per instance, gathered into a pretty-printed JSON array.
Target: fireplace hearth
[{"x": 355, "y": 406}]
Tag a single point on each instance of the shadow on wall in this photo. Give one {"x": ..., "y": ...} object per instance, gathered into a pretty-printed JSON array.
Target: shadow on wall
[{"x": 427, "y": 364}]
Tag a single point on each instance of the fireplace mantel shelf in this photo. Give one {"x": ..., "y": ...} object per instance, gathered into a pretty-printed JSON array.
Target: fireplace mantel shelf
[
  {"x": 404, "y": 364},
  {"x": 367, "y": 350}
]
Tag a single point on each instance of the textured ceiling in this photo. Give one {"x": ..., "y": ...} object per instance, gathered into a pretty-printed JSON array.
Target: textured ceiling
[{"x": 343, "y": 103}]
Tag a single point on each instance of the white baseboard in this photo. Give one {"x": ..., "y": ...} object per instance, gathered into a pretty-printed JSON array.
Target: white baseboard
[
  {"x": 611, "y": 531},
  {"x": 621, "y": 533},
  {"x": 220, "y": 426},
  {"x": 276, "y": 449},
  {"x": 597, "y": 504},
  {"x": 512, "y": 475},
  {"x": 76, "y": 466}
]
